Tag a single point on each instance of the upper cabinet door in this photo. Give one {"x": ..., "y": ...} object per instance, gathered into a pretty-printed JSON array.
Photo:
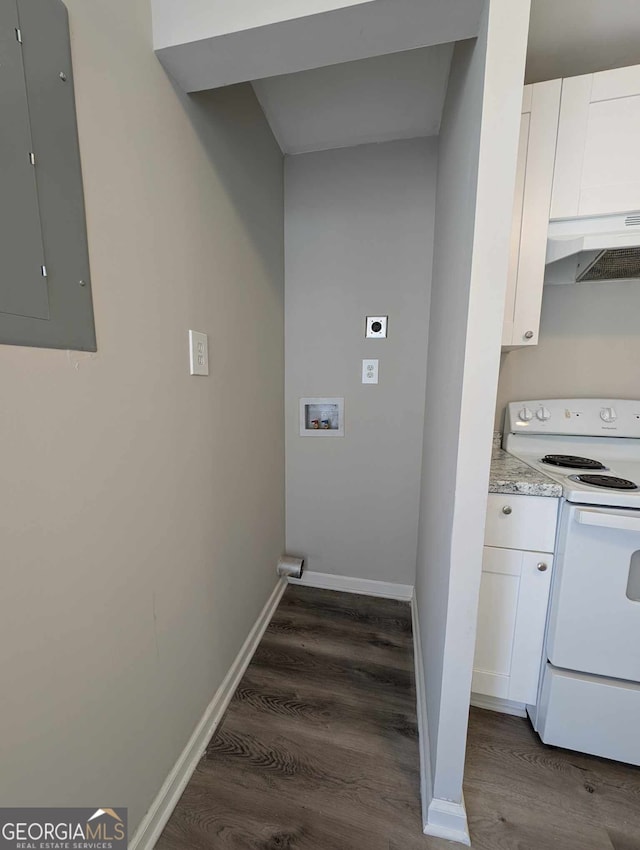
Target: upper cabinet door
[
  {"x": 597, "y": 164},
  {"x": 534, "y": 180}
]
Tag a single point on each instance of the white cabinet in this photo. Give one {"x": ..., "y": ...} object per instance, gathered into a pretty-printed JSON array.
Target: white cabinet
[
  {"x": 578, "y": 156},
  {"x": 514, "y": 597},
  {"x": 534, "y": 180},
  {"x": 597, "y": 169}
]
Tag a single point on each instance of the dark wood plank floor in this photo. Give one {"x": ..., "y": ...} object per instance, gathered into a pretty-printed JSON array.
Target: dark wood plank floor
[
  {"x": 318, "y": 751},
  {"x": 523, "y": 795}
]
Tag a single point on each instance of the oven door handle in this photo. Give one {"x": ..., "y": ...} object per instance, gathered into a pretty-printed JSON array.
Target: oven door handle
[{"x": 623, "y": 522}]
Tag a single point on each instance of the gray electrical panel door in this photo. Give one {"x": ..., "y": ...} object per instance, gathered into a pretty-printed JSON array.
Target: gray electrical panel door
[
  {"x": 23, "y": 289},
  {"x": 45, "y": 286}
]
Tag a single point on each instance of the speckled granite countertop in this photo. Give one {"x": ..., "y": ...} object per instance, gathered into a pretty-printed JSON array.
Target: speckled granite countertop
[{"x": 510, "y": 475}]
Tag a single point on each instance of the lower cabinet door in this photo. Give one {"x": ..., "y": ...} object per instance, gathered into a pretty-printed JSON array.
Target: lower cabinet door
[{"x": 514, "y": 597}]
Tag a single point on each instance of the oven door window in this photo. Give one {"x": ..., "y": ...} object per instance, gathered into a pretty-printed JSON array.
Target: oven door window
[{"x": 633, "y": 585}]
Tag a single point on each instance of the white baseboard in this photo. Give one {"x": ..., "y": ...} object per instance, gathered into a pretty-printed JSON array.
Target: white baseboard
[
  {"x": 426, "y": 792},
  {"x": 160, "y": 810},
  {"x": 348, "y": 584},
  {"x": 504, "y": 706},
  {"x": 448, "y": 820},
  {"x": 440, "y": 818}
]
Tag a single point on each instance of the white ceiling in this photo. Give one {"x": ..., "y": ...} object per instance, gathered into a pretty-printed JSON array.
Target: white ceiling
[
  {"x": 572, "y": 37},
  {"x": 397, "y": 96},
  {"x": 401, "y": 95}
]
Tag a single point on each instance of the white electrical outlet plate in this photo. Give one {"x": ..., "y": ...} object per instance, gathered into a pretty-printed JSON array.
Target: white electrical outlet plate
[
  {"x": 369, "y": 371},
  {"x": 198, "y": 353},
  {"x": 376, "y": 327}
]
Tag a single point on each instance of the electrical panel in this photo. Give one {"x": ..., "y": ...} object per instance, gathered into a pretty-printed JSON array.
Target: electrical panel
[{"x": 45, "y": 285}]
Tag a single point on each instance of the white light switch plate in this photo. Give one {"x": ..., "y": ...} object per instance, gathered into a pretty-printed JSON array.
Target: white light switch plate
[
  {"x": 369, "y": 371},
  {"x": 198, "y": 353}
]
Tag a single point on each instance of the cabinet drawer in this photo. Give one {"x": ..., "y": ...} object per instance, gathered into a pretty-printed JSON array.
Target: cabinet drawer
[{"x": 521, "y": 522}]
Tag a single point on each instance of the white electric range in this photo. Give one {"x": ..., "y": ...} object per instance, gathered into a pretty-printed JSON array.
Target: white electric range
[{"x": 589, "y": 697}]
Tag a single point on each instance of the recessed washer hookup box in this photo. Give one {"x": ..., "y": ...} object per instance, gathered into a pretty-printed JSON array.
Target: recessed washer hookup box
[{"x": 322, "y": 417}]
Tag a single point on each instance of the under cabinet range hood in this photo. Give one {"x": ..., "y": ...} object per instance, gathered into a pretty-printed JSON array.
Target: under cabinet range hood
[{"x": 593, "y": 248}]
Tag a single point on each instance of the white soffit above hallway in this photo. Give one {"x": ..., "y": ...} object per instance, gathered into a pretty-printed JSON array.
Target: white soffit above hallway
[
  {"x": 221, "y": 17},
  {"x": 398, "y": 96},
  {"x": 572, "y": 37},
  {"x": 206, "y": 44}
]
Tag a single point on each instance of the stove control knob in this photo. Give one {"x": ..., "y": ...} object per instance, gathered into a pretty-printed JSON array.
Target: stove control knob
[
  {"x": 543, "y": 414},
  {"x": 608, "y": 414},
  {"x": 525, "y": 415}
]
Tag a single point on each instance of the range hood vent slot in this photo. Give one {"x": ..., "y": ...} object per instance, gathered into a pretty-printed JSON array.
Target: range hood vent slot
[
  {"x": 593, "y": 248},
  {"x": 613, "y": 264}
]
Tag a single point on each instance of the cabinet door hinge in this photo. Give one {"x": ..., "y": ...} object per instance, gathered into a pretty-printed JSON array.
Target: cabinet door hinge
[{"x": 19, "y": 35}]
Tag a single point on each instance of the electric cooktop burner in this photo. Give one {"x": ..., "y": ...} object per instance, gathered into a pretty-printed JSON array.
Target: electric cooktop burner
[
  {"x": 610, "y": 482},
  {"x": 573, "y": 462}
]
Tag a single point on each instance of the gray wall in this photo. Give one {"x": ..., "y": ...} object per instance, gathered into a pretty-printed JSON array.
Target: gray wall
[
  {"x": 359, "y": 234},
  {"x": 142, "y": 510},
  {"x": 476, "y": 176},
  {"x": 589, "y": 346}
]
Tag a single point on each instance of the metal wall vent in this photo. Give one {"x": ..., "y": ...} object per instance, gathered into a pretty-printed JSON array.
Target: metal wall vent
[
  {"x": 632, "y": 220},
  {"x": 613, "y": 264}
]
